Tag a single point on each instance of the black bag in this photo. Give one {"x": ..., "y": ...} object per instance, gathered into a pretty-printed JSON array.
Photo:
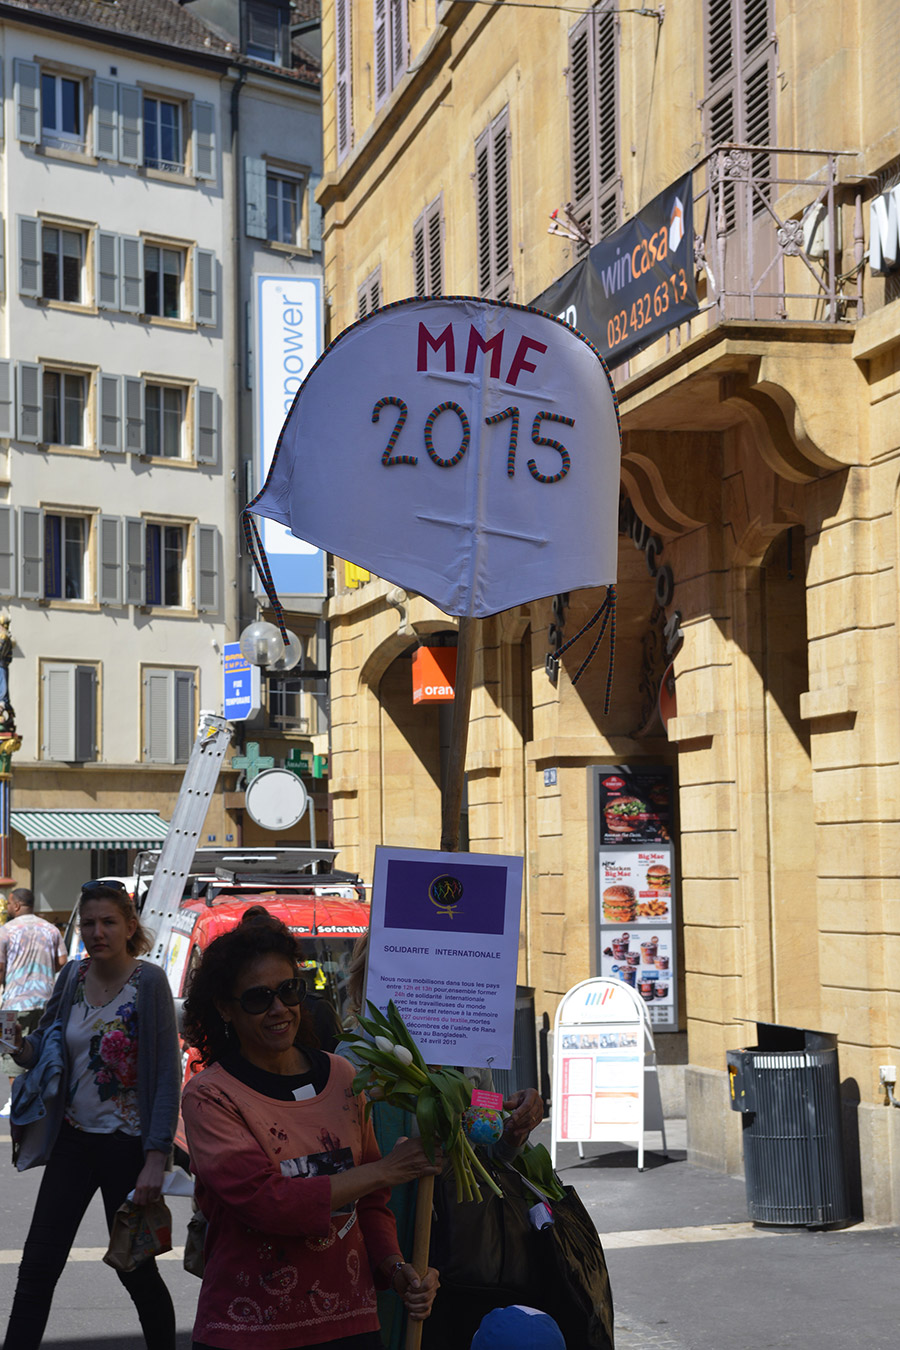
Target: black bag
[{"x": 489, "y": 1256}]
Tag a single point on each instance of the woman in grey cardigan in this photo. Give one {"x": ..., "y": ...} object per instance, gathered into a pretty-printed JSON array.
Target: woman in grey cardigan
[{"x": 114, "y": 1117}]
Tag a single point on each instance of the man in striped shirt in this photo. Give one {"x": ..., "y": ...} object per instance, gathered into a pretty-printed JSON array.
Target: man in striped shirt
[{"x": 31, "y": 953}]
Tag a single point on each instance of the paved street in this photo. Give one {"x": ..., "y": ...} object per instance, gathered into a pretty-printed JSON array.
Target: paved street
[{"x": 688, "y": 1271}]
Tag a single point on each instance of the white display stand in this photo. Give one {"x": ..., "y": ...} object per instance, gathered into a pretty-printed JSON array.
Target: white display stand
[{"x": 605, "y": 1082}]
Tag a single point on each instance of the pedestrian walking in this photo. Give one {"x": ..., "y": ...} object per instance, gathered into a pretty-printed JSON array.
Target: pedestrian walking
[
  {"x": 287, "y": 1170},
  {"x": 117, "y": 1109},
  {"x": 32, "y": 952}
]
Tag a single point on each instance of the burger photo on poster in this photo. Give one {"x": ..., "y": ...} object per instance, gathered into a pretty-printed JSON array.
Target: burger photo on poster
[
  {"x": 659, "y": 877},
  {"x": 618, "y": 904}
]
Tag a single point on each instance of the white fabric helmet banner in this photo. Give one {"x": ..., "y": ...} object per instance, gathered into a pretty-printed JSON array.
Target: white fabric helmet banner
[{"x": 464, "y": 449}]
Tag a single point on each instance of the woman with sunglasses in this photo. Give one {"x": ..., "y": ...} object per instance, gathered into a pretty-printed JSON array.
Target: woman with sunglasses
[
  {"x": 115, "y": 1114},
  {"x": 287, "y": 1170}
]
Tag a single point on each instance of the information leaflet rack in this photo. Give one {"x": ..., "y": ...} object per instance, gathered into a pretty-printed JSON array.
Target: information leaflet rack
[{"x": 605, "y": 1081}]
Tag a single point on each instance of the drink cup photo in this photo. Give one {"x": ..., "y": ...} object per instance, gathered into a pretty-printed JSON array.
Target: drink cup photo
[{"x": 8, "y": 1019}]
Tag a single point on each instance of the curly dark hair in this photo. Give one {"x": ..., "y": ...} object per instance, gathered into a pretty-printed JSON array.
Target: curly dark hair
[{"x": 258, "y": 934}]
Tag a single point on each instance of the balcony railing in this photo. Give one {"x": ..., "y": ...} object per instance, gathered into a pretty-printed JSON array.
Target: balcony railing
[{"x": 771, "y": 235}]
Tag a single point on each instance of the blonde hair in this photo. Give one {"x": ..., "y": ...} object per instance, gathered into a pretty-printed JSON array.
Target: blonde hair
[{"x": 140, "y": 940}]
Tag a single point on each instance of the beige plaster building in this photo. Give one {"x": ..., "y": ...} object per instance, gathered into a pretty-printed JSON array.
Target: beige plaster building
[{"x": 760, "y": 458}]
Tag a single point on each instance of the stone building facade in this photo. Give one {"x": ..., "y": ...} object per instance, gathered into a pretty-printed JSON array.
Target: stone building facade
[{"x": 760, "y": 453}]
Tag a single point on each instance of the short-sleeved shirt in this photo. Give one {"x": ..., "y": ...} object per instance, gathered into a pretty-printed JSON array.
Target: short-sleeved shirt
[
  {"x": 32, "y": 950},
  {"x": 102, "y": 1048}
]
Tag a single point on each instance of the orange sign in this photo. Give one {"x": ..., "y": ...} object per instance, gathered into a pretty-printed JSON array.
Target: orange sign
[{"x": 433, "y": 674}]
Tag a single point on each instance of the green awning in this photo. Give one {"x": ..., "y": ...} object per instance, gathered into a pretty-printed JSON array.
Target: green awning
[{"x": 90, "y": 829}]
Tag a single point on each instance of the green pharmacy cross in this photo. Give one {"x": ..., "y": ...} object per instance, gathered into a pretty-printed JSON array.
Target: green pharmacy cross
[
  {"x": 297, "y": 763},
  {"x": 253, "y": 762}
]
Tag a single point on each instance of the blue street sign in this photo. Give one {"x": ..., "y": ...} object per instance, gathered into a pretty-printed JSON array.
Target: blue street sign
[{"x": 241, "y": 697}]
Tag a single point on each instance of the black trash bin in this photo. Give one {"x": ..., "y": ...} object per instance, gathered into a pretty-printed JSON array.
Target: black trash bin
[{"x": 787, "y": 1089}]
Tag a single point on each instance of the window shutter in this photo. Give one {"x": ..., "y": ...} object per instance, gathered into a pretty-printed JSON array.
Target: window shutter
[
  {"x": 205, "y": 287},
  {"x": 381, "y": 52},
  {"x": 434, "y": 243},
  {"x": 131, "y": 124},
  {"x": 109, "y": 412},
  {"x": 206, "y": 426},
  {"x": 720, "y": 40},
  {"x": 31, "y": 553},
  {"x": 184, "y": 714},
  {"x": 500, "y": 204},
  {"x": 131, "y": 271},
  {"x": 59, "y": 712},
  {"x": 207, "y": 569},
  {"x": 483, "y": 212},
  {"x": 135, "y": 561},
  {"x": 399, "y": 52},
  {"x": 158, "y": 737},
  {"x": 314, "y": 214},
  {"x": 134, "y": 415},
  {"x": 420, "y": 283},
  {"x": 29, "y": 403},
  {"x": 85, "y": 720},
  {"x": 255, "y": 204},
  {"x": 7, "y": 551},
  {"x": 582, "y": 121},
  {"x": 107, "y": 270},
  {"x": 7, "y": 406},
  {"x": 203, "y": 141},
  {"x": 109, "y": 560},
  {"x": 106, "y": 119},
  {"x": 2, "y": 228},
  {"x": 344, "y": 80},
  {"x": 30, "y": 269},
  {"x": 27, "y": 77},
  {"x": 2, "y": 104}
]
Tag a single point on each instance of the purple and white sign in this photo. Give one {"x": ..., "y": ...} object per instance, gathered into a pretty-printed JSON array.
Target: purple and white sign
[{"x": 444, "y": 945}]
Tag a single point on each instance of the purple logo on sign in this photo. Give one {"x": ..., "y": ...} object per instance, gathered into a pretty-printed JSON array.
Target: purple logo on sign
[{"x": 468, "y": 899}]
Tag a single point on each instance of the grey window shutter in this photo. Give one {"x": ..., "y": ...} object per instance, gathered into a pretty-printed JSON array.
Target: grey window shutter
[
  {"x": 131, "y": 124},
  {"x": 205, "y": 294},
  {"x": 399, "y": 51},
  {"x": 255, "y": 206},
  {"x": 184, "y": 714},
  {"x": 106, "y": 119},
  {"x": 131, "y": 272},
  {"x": 382, "y": 55},
  {"x": 7, "y": 550},
  {"x": 109, "y": 412},
  {"x": 58, "y": 740},
  {"x": 582, "y": 121},
  {"x": 30, "y": 428},
  {"x": 27, "y": 77},
  {"x": 434, "y": 246},
  {"x": 134, "y": 415},
  {"x": 608, "y": 175},
  {"x": 207, "y": 569},
  {"x": 420, "y": 279},
  {"x": 501, "y": 204},
  {"x": 314, "y": 214},
  {"x": 483, "y": 215},
  {"x": 159, "y": 745},
  {"x": 203, "y": 141},
  {"x": 2, "y": 230},
  {"x": 344, "y": 77},
  {"x": 107, "y": 270},
  {"x": 7, "y": 401},
  {"x": 2, "y": 102},
  {"x": 30, "y": 269},
  {"x": 206, "y": 426},
  {"x": 31, "y": 553},
  {"x": 85, "y": 719},
  {"x": 109, "y": 560},
  {"x": 135, "y": 561}
]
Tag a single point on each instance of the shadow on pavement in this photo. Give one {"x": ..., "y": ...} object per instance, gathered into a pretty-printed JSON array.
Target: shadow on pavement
[{"x": 626, "y": 1159}]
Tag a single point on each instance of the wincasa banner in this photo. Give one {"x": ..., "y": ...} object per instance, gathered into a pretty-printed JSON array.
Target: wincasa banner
[{"x": 635, "y": 284}]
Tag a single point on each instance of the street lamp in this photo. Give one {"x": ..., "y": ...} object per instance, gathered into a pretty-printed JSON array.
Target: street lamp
[
  {"x": 290, "y": 657},
  {"x": 261, "y": 643}
]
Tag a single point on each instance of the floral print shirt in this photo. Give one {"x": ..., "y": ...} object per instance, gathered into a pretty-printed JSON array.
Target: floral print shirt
[{"x": 102, "y": 1049}]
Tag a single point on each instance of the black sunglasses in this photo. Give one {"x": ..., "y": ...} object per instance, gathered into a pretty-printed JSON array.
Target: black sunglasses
[
  {"x": 259, "y": 999},
  {"x": 111, "y": 885}
]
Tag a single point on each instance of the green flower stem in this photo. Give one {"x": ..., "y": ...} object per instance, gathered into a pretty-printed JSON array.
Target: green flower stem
[{"x": 475, "y": 1162}]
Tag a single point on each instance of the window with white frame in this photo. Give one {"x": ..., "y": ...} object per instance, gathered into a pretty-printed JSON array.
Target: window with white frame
[
  {"x": 69, "y": 711},
  {"x": 64, "y": 407},
  {"x": 163, "y": 281},
  {"x": 62, "y": 112},
  {"x": 169, "y": 714},
  {"x": 284, "y": 208},
  {"x": 165, "y": 553},
  {"x": 62, "y": 263},
  {"x": 164, "y": 420},
  {"x": 267, "y": 31},
  {"x": 163, "y": 134},
  {"x": 65, "y": 556}
]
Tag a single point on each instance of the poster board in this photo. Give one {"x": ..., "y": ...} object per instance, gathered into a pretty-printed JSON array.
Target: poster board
[
  {"x": 634, "y": 887},
  {"x": 605, "y": 1086},
  {"x": 444, "y": 945}
]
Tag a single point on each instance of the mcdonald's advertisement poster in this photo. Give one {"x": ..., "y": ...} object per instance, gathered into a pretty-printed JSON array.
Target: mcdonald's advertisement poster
[{"x": 444, "y": 945}]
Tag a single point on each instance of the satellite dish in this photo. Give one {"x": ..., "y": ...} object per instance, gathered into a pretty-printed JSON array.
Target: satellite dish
[{"x": 276, "y": 799}]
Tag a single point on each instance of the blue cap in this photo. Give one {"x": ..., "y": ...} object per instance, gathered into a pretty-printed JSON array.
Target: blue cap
[{"x": 518, "y": 1328}]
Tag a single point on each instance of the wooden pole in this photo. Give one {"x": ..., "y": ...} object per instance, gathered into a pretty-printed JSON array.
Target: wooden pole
[{"x": 451, "y": 806}]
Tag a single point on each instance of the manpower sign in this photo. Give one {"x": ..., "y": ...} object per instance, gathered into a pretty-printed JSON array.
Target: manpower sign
[{"x": 637, "y": 283}]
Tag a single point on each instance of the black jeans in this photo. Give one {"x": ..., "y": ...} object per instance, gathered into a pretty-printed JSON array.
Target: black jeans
[{"x": 79, "y": 1164}]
